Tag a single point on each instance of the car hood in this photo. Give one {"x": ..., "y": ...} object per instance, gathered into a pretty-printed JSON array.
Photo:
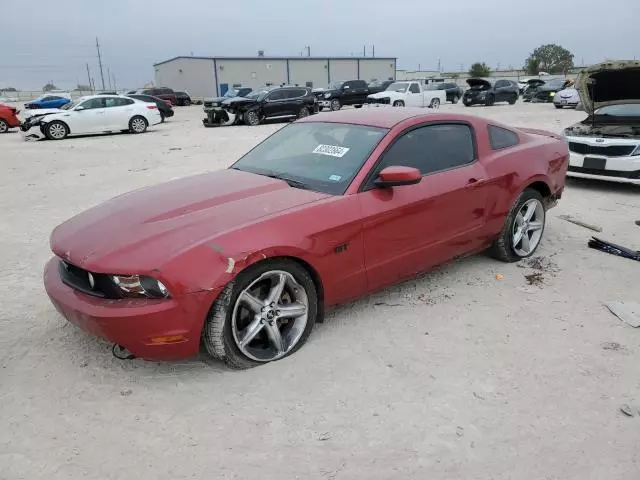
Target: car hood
[
  {"x": 42, "y": 111},
  {"x": 477, "y": 82},
  {"x": 239, "y": 101},
  {"x": 567, "y": 93},
  {"x": 146, "y": 228},
  {"x": 609, "y": 83}
]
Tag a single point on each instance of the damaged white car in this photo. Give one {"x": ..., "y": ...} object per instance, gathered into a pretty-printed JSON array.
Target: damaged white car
[
  {"x": 606, "y": 145},
  {"x": 408, "y": 94},
  {"x": 91, "y": 115}
]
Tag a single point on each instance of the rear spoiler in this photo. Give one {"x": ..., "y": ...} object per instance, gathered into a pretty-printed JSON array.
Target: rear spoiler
[{"x": 544, "y": 133}]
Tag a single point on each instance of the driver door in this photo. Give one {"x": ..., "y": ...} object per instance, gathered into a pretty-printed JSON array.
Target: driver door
[
  {"x": 409, "y": 229},
  {"x": 414, "y": 96},
  {"x": 276, "y": 104},
  {"x": 90, "y": 118}
]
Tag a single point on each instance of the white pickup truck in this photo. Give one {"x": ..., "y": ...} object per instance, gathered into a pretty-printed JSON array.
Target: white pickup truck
[{"x": 408, "y": 94}]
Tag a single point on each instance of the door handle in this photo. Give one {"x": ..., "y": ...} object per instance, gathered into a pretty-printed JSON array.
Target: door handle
[{"x": 475, "y": 181}]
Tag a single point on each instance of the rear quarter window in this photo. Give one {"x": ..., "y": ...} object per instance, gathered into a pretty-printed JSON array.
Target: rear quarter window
[{"x": 500, "y": 138}]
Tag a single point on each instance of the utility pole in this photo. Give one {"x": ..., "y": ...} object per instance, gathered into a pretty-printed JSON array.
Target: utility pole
[
  {"x": 439, "y": 65},
  {"x": 364, "y": 51},
  {"x": 308, "y": 51},
  {"x": 109, "y": 77},
  {"x": 100, "y": 63},
  {"x": 373, "y": 50},
  {"x": 114, "y": 82},
  {"x": 89, "y": 77}
]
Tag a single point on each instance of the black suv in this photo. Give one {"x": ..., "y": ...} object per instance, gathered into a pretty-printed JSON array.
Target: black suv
[
  {"x": 484, "y": 92},
  {"x": 263, "y": 104},
  {"x": 378, "y": 86},
  {"x": 352, "y": 92}
]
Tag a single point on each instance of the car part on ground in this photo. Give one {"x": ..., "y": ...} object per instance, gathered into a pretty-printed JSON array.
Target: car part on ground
[
  {"x": 614, "y": 249},
  {"x": 606, "y": 145},
  {"x": 95, "y": 114},
  {"x": 408, "y": 94},
  {"x": 249, "y": 283},
  {"x": 267, "y": 103},
  {"x": 8, "y": 118},
  {"x": 483, "y": 92}
]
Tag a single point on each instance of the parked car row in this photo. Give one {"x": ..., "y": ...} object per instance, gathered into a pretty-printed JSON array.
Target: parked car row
[{"x": 181, "y": 99}]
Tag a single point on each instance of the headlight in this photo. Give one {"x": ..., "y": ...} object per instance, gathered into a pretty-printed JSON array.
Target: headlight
[
  {"x": 140, "y": 286},
  {"x": 552, "y": 94},
  {"x": 327, "y": 95}
]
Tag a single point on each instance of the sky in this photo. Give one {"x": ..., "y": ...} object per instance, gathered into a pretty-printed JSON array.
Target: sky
[{"x": 42, "y": 44}]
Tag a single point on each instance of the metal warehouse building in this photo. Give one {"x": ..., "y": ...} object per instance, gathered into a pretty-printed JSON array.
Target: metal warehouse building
[{"x": 213, "y": 76}]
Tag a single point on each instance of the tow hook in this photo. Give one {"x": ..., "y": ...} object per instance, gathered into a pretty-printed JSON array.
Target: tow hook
[{"x": 121, "y": 352}]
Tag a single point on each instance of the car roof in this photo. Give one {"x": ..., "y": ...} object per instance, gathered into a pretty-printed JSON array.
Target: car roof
[{"x": 383, "y": 117}]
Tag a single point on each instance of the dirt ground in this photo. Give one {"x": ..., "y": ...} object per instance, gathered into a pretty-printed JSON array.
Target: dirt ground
[{"x": 480, "y": 370}]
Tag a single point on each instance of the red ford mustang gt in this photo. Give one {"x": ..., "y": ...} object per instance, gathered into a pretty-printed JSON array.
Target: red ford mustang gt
[{"x": 323, "y": 211}]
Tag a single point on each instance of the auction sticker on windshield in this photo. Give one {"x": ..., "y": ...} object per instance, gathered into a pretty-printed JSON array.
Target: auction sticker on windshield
[{"x": 331, "y": 150}]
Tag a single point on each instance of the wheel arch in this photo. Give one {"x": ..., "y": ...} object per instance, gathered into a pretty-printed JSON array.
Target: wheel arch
[{"x": 45, "y": 124}]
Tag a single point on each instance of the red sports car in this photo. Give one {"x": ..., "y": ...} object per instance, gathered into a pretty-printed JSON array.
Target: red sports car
[
  {"x": 8, "y": 118},
  {"x": 323, "y": 211}
]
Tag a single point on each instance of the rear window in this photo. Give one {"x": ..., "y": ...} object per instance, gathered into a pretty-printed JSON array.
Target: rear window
[{"x": 501, "y": 138}]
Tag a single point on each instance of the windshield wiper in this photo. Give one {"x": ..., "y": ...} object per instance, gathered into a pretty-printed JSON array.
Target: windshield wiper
[{"x": 290, "y": 181}]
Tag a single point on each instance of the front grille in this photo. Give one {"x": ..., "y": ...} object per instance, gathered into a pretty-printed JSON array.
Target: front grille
[
  {"x": 383, "y": 101},
  {"x": 78, "y": 278},
  {"x": 608, "y": 151},
  {"x": 208, "y": 104},
  {"x": 634, "y": 175}
]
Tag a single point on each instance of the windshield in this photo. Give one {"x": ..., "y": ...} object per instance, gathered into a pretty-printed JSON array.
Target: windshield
[
  {"x": 398, "y": 87},
  {"x": 318, "y": 156},
  {"x": 555, "y": 83},
  {"x": 258, "y": 94},
  {"x": 69, "y": 105},
  {"x": 624, "y": 110},
  {"x": 231, "y": 93},
  {"x": 335, "y": 85}
]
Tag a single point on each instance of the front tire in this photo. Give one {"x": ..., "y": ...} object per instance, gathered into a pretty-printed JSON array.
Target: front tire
[
  {"x": 56, "y": 130},
  {"x": 513, "y": 100},
  {"x": 335, "y": 105},
  {"x": 4, "y": 126},
  {"x": 304, "y": 112},
  {"x": 435, "y": 103},
  {"x": 398, "y": 103},
  {"x": 490, "y": 100},
  {"x": 523, "y": 228},
  {"x": 251, "y": 118},
  {"x": 265, "y": 314},
  {"x": 455, "y": 99},
  {"x": 138, "y": 124}
]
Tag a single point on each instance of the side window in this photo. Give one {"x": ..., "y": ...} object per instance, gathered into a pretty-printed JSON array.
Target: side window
[
  {"x": 359, "y": 84},
  {"x": 414, "y": 88},
  {"x": 117, "y": 102},
  {"x": 94, "y": 103},
  {"x": 501, "y": 138},
  {"x": 432, "y": 148},
  {"x": 276, "y": 95},
  {"x": 502, "y": 83}
]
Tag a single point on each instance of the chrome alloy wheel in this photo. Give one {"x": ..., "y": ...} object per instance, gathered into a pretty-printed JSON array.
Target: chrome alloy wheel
[
  {"x": 138, "y": 125},
  {"x": 57, "y": 131},
  {"x": 270, "y": 316},
  {"x": 527, "y": 227}
]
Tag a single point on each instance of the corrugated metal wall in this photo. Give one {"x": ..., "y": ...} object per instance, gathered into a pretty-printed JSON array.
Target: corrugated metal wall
[{"x": 192, "y": 75}]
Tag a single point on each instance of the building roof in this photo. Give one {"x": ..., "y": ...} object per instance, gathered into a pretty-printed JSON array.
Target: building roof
[{"x": 180, "y": 57}]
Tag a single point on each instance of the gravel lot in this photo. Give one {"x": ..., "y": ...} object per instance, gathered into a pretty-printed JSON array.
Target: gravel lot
[{"x": 456, "y": 375}]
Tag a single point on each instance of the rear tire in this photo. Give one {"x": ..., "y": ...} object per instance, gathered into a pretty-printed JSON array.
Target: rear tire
[
  {"x": 513, "y": 100},
  {"x": 455, "y": 99},
  {"x": 505, "y": 248},
  {"x": 56, "y": 130},
  {"x": 221, "y": 330},
  {"x": 162, "y": 117},
  {"x": 138, "y": 124},
  {"x": 4, "y": 126}
]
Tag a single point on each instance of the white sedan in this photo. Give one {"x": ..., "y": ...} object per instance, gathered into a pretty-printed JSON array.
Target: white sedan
[{"x": 92, "y": 115}]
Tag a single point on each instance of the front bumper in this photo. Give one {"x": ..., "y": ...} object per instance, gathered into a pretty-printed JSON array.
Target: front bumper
[
  {"x": 165, "y": 329},
  {"x": 31, "y": 131},
  {"x": 616, "y": 169},
  {"x": 473, "y": 100}
]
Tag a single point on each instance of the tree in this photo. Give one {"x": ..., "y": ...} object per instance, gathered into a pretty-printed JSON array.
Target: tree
[
  {"x": 550, "y": 58},
  {"x": 8, "y": 89},
  {"x": 48, "y": 87},
  {"x": 479, "y": 70}
]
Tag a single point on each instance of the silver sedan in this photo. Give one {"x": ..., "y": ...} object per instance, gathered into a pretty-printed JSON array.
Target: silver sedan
[{"x": 566, "y": 98}]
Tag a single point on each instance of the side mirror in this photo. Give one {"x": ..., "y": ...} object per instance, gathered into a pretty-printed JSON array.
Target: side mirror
[
  {"x": 397, "y": 176},
  {"x": 79, "y": 108},
  {"x": 346, "y": 87}
]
